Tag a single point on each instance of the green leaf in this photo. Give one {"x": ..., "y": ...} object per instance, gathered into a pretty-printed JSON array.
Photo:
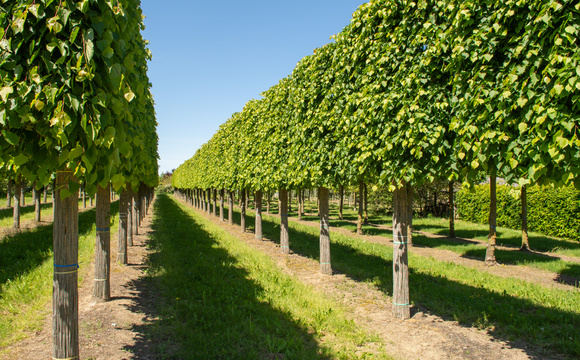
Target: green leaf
[
  {"x": 11, "y": 137},
  {"x": 75, "y": 153},
  {"x": 5, "y": 91},
  {"x": 523, "y": 127},
  {"x": 20, "y": 160}
]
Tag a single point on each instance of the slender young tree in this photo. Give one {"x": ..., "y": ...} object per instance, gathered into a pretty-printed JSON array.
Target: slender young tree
[
  {"x": 401, "y": 304},
  {"x": 283, "y": 210},
  {"x": 102, "y": 281},
  {"x": 524, "y": 198},
  {"x": 258, "y": 207},
  {"x": 451, "y": 210},
  {"x": 491, "y": 243},
  {"x": 325, "y": 265}
]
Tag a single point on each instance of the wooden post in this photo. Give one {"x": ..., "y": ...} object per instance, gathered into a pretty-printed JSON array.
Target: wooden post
[
  {"x": 36, "y": 196},
  {"x": 401, "y": 308},
  {"x": 222, "y": 204},
  {"x": 123, "y": 226},
  {"x": 451, "y": 210},
  {"x": 283, "y": 211},
  {"x": 65, "y": 316},
  {"x": 231, "y": 209},
  {"x": 325, "y": 266},
  {"x": 359, "y": 223},
  {"x": 243, "y": 210},
  {"x": 16, "y": 208},
  {"x": 102, "y": 285},
  {"x": 258, "y": 207},
  {"x": 490, "y": 251},
  {"x": 525, "y": 239}
]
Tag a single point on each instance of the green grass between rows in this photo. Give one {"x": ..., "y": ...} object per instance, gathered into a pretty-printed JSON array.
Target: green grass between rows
[
  {"x": 510, "y": 309},
  {"x": 224, "y": 300}
]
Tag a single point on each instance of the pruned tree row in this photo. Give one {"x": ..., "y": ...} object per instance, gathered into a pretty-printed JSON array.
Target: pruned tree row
[
  {"x": 76, "y": 110},
  {"x": 409, "y": 93}
]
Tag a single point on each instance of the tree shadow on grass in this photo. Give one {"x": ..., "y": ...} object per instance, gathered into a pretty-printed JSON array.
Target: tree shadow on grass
[
  {"x": 536, "y": 329},
  {"x": 24, "y": 210},
  {"x": 209, "y": 308},
  {"x": 22, "y": 252}
]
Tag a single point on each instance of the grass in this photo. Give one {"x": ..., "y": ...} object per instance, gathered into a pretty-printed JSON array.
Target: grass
[
  {"x": 27, "y": 213},
  {"x": 510, "y": 309},
  {"x": 222, "y": 299},
  {"x": 26, "y": 274}
]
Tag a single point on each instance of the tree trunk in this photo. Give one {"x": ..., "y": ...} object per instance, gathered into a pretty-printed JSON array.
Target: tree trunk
[
  {"x": 409, "y": 190},
  {"x": 102, "y": 286},
  {"x": 130, "y": 222},
  {"x": 323, "y": 202},
  {"x": 135, "y": 213},
  {"x": 366, "y": 204},
  {"x": 401, "y": 308},
  {"x": 124, "y": 217},
  {"x": 45, "y": 193},
  {"x": 451, "y": 211},
  {"x": 299, "y": 204},
  {"x": 268, "y": 203},
  {"x": 65, "y": 316},
  {"x": 289, "y": 201},
  {"x": 243, "y": 210},
  {"x": 302, "y": 202},
  {"x": 84, "y": 198},
  {"x": 214, "y": 202},
  {"x": 231, "y": 209},
  {"x": 525, "y": 240},
  {"x": 22, "y": 192},
  {"x": 36, "y": 196},
  {"x": 341, "y": 204},
  {"x": 222, "y": 205},
  {"x": 9, "y": 194},
  {"x": 258, "y": 207},
  {"x": 359, "y": 223},
  {"x": 16, "y": 208},
  {"x": 490, "y": 251},
  {"x": 283, "y": 211},
  {"x": 91, "y": 201}
]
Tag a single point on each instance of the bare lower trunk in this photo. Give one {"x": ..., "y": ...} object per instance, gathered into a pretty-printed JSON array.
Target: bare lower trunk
[
  {"x": 268, "y": 203},
  {"x": 366, "y": 205},
  {"x": 84, "y": 199},
  {"x": 9, "y": 194},
  {"x": 36, "y": 196},
  {"x": 258, "y": 206},
  {"x": 102, "y": 286},
  {"x": 283, "y": 210},
  {"x": 299, "y": 204},
  {"x": 289, "y": 200},
  {"x": 130, "y": 222},
  {"x": 65, "y": 316},
  {"x": 243, "y": 210},
  {"x": 451, "y": 211},
  {"x": 45, "y": 194},
  {"x": 136, "y": 216},
  {"x": 359, "y": 223},
  {"x": 22, "y": 192},
  {"x": 325, "y": 266},
  {"x": 214, "y": 202},
  {"x": 222, "y": 205},
  {"x": 409, "y": 190},
  {"x": 490, "y": 251},
  {"x": 525, "y": 239},
  {"x": 123, "y": 226},
  {"x": 16, "y": 208},
  {"x": 401, "y": 304},
  {"x": 231, "y": 209},
  {"x": 341, "y": 204}
]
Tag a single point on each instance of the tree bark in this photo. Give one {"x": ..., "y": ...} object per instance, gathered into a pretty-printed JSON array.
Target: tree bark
[
  {"x": 16, "y": 208},
  {"x": 243, "y": 210},
  {"x": 65, "y": 316},
  {"x": 135, "y": 201},
  {"x": 102, "y": 286},
  {"x": 36, "y": 196},
  {"x": 401, "y": 308},
  {"x": 9, "y": 194},
  {"x": 130, "y": 222},
  {"x": 451, "y": 211},
  {"x": 409, "y": 190},
  {"x": 359, "y": 223},
  {"x": 289, "y": 201},
  {"x": 366, "y": 205},
  {"x": 490, "y": 251},
  {"x": 45, "y": 193},
  {"x": 231, "y": 209},
  {"x": 222, "y": 205},
  {"x": 325, "y": 266},
  {"x": 283, "y": 210},
  {"x": 22, "y": 192},
  {"x": 258, "y": 207},
  {"x": 123, "y": 226},
  {"x": 341, "y": 204},
  {"x": 300, "y": 204},
  {"x": 268, "y": 203},
  {"x": 525, "y": 239},
  {"x": 84, "y": 198},
  {"x": 214, "y": 202}
]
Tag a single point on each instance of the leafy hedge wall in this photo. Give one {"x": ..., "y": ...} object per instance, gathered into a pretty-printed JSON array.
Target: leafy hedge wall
[{"x": 551, "y": 211}]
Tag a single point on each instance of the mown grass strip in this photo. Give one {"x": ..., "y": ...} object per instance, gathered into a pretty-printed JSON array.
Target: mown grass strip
[
  {"x": 510, "y": 309},
  {"x": 26, "y": 274},
  {"x": 223, "y": 299}
]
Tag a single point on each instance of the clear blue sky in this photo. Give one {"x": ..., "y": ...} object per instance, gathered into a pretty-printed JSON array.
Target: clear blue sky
[{"x": 211, "y": 57}]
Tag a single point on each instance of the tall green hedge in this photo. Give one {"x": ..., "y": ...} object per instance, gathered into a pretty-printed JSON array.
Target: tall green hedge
[{"x": 551, "y": 211}]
